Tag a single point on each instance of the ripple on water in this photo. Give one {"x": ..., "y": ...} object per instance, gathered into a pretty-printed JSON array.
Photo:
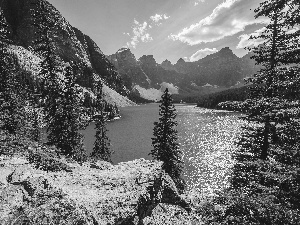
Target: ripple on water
[{"x": 207, "y": 140}]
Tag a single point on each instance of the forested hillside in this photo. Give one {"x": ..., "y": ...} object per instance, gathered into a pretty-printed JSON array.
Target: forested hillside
[
  {"x": 71, "y": 45},
  {"x": 211, "y": 101}
]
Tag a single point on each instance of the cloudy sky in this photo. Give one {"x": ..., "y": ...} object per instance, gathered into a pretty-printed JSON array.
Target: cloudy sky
[{"x": 167, "y": 29}]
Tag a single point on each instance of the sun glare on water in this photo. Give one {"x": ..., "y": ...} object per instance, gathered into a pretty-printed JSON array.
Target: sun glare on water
[{"x": 207, "y": 140}]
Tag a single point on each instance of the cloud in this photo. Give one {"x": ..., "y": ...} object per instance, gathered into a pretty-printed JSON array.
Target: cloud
[
  {"x": 227, "y": 19},
  {"x": 139, "y": 33},
  {"x": 186, "y": 59},
  {"x": 197, "y": 2},
  {"x": 156, "y": 18},
  {"x": 202, "y": 53},
  {"x": 246, "y": 42}
]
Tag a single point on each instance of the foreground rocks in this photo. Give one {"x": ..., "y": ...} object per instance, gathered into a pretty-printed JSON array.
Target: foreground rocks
[{"x": 136, "y": 192}]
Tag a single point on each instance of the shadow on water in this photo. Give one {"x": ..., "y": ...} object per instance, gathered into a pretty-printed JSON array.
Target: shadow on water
[{"x": 131, "y": 135}]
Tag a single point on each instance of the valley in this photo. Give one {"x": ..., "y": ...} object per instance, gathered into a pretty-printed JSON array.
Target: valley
[{"x": 193, "y": 118}]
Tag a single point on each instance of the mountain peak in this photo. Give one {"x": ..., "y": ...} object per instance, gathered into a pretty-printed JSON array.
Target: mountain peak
[
  {"x": 226, "y": 50},
  {"x": 167, "y": 61},
  {"x": 123, "y": 50},
  {"x": 167, "y": 65},
  {"x": 180, "y": 61},
  {"x": 148, "y": 60}
]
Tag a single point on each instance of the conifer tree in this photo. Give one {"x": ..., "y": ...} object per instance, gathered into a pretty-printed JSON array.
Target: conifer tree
[
  {"x": 12, "y": 112},
  {"x": 101, "y": 148},
  {"x": 70, "y": 140},
  {"x": 165, "y": 144},
  {"x": 271, "y": 108},
  {"x": 51, "y": 84},
  {"x": 268, "y": 155}
]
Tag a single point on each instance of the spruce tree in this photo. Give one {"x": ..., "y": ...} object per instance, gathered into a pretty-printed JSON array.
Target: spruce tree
[
  {"x": 12, "y": 111},
  {"x": 165, "y": 144},
  {"x": 101, "y": 148},
  {"x": 268, "y": 160},
  {"x": 51, "y": 84},
  {"x": 70, "y": 140}
]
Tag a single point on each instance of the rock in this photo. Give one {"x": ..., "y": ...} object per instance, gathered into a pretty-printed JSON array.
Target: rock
[
  {"x": 19, "y": 175},
  {"x": 11, "y": 199},
  {"x": 35, "y": 184},
  {"x": 47, "y": 161},
  {"x": 108, "y": 194},
  {"x": 129, "y": 68},
  {"x": 163, "y": 190},
  {"x": 168, "y": 215},
  {"x": 101, "y": 165},
  {"x": 4, "y": 174}
]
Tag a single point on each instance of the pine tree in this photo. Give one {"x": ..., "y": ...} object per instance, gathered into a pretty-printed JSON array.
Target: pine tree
[
  {"x": 12, "y": 112},
  {"x": 166, "y": 147},
  {"x": 268, "y": 160},
  {"x": 101, "y": 148},
  {"x": 271, "y": 108},
  {"x": 51, "y": 84},
  {"x": 70, "y": 140}
]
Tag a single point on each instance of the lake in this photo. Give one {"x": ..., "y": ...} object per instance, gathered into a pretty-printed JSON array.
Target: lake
[{"x": 206, "y": 138}]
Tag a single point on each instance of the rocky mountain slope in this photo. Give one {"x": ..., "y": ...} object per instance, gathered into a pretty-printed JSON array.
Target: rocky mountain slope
[
  {"x": 121, "y": 72},
  {"x": 215, "y": 72},
  {"x": 144, "y": 76},
  {"x": 70, "y": 45}
]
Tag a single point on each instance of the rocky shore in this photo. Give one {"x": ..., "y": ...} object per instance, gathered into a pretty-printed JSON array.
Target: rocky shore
[{"x": 39, "y": 187}]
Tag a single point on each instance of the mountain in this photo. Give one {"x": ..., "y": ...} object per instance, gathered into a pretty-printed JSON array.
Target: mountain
[
  {"x": 215, "y": 72},
  {"x": 129, "y": 68},
  {"x": 222, "y": 68},
  {"x": 144, "y": 77},
  {"x": 249, "y": 66},
  {"x": 167, "y": 65},
  {"x": 70, "y": 45}
]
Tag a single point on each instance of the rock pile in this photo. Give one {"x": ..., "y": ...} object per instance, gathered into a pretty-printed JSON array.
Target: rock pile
[{"x": 135, "y": 192}]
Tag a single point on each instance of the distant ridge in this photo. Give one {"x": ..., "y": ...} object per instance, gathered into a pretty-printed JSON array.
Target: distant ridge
[{"x": 216, "y": 72}]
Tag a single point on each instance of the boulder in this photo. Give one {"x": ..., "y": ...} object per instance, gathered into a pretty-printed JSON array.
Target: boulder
[
  {"x": 4, "y": 173},
  {"x": 162, "y": 190},
  {"x": 11, "y": 200},
  {"x": 167, "y": 214},
  {"x": 19, "y": 175},
  {"x": 47, "y": 161},
  {"x": 101, "y": 165}
]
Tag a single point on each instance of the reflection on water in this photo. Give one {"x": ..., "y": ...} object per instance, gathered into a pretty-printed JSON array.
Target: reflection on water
[
  {"x": 131, "y": 135},
  {"x": 206, "y": 139}
]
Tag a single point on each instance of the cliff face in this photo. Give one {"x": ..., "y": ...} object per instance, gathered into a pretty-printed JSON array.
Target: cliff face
[
  {"x": 144, "y": 77},
  {"x": 167, "y": 65},
  {"x": 70, "y": 43},
  {"x": 213, "y": 73},
  {"x": 222, "y": 68},
  {"x": 129, "y": 68}
]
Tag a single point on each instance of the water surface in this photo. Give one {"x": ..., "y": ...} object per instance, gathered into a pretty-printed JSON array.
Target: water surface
[{"x": 206, "y": 139}]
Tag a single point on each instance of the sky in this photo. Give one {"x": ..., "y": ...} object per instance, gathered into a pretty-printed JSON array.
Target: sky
[{"x": 166, "y": 29}]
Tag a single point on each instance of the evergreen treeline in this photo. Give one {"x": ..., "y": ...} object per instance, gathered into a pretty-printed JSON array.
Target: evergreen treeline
[
  {"x": 265, "y": 184},
  {"x": 211, "y": 101}
]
